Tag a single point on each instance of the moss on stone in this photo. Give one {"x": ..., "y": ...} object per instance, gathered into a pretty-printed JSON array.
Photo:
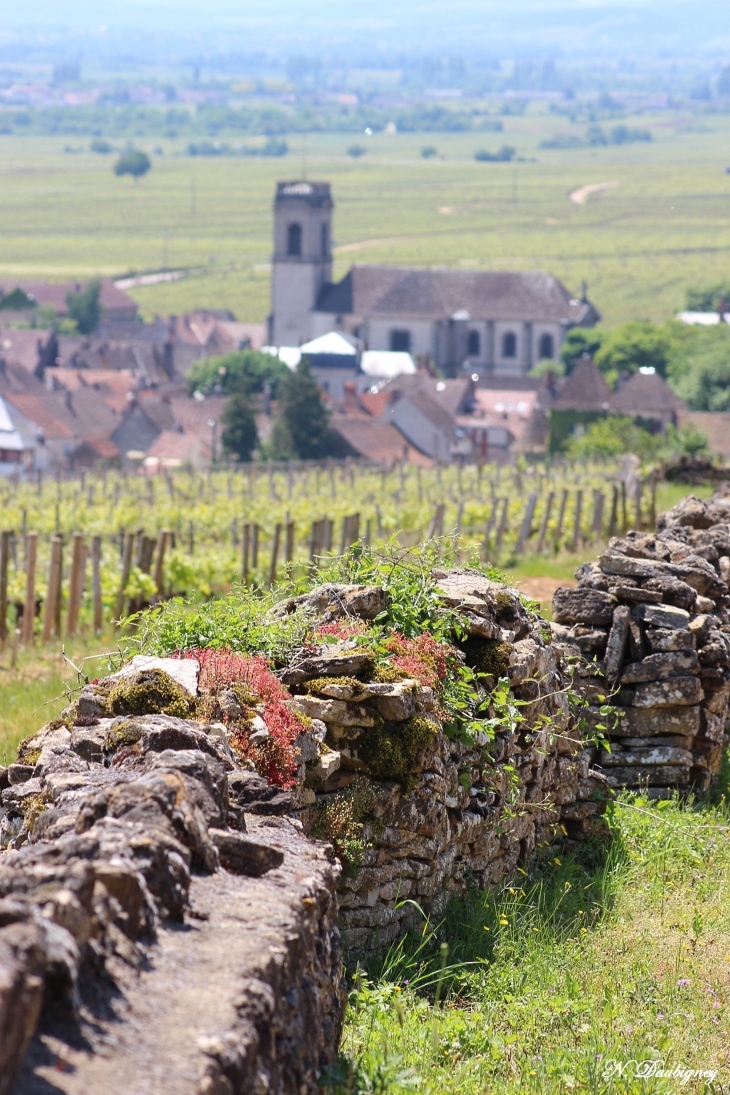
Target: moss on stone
[
  {"x": 391, "y": 749},
  {"x": 489, "y": 656},
  {"x": 149, "y": 692},
  {"x": 32, "y": 809},
  {"x": 123, "y": 733},
  {"x": 385, "y": 673},
  {"x": 319, "y": 683},
  {"x": 27, "y": 753}
]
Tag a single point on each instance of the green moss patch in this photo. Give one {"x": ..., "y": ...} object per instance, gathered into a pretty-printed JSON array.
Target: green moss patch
[
  {"x": 487, "y": 656},
  {"x": 385, "y": 673},
  {"x": 28, "y": 755},
  {"x": 320, "y": 683},
  {"x": 341, "y": 818},
  {"x": 391, "y": 750},
  {"x": 123, "y": 733},
  {"x": 149, "y": 692}
]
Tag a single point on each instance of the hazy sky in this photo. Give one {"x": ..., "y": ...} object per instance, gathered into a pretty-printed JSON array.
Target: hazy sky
[{"x": 468, "y": 26}]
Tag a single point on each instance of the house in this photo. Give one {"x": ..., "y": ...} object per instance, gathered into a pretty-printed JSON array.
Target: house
[
  {"x": 584, "y": 397},
  {"x": 647, "y": 397},
  {"x": 499, "y": 322},
  {"x": 12, "y": 446},
  {"x": 715, "y": 425},
  {"x": 142, "y": 421},
  {"x": 424, "y": 410}
]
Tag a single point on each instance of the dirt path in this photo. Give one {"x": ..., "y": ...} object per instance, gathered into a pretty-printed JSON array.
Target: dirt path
[
  {"x": 580, "y": 197},
  {"x": 542, "y": 589}
]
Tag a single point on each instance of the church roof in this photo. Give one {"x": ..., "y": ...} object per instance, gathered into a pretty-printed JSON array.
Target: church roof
[{"x": 440, "y": 293}]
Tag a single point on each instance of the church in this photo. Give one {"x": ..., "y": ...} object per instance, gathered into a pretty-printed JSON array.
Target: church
[{"x": 495, "y": 322}]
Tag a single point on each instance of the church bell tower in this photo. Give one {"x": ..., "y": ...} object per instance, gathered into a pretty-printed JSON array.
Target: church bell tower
[{"x": 302, "y": 261}]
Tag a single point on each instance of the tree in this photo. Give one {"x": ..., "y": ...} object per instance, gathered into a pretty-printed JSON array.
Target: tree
[
  {"x": 248, "y": 370},
  {"x": 699, "y": 368},
  {"x": 723, "y": 84},
  {"x": 633, "y": 346},
  {"x": 240, "y": 436},
  {"x": 579, "y": 341},
  {"x": 302, "y": 419},
  {"x": 134, "y": 163},
  {"x": 84, "y": 308}
]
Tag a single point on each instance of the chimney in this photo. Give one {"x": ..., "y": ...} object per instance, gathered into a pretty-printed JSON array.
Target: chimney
[{"x": 351, "y": 404}]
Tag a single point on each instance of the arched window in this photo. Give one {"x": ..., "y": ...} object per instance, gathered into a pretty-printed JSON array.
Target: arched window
[
  {"x": 546, "y": 348},
  {"x": 509, "y": 344},
  {"x": 294, "y": 240},
  {"x": 324, "y": 239},
  {"x": 400, "y": 341},
  {"x": 473, "y": 344}
]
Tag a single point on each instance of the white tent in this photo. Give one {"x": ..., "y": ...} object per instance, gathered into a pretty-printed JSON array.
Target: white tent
[
  {"x": 384, "y": 364},
  {"x": 332, "y": 343}
]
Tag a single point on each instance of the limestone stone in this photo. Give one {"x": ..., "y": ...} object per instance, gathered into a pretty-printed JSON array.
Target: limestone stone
[
  {"x": 396, "y": 703},
  {"x": 656, "y": 755},
  {"x": 184, "y": 671},
  {"x": 659, "y": 667},
  {"x": 583, "y": 606},
  {"x": 339, "y": 660},
  {"x": 242, "y": 855},
  {"x": 680, "y": 690},
  {"x": 691, "y": 511},
  {"x": 635, "y": 594},
  {"x": 663, "y": 616},
  {"x": 665, "y": 640},
  {"x": 331, "y": 711},
  {"x": 649, "y": 775},
  {"x": 652, "y": 721},
  {"x": 616, "y": 645}
]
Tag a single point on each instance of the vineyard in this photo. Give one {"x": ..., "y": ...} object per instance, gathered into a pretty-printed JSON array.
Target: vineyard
[{"x": 78, "y": 553}]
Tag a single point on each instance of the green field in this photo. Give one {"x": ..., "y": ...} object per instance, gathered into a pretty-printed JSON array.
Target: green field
[{"x": 639, "y": 245}]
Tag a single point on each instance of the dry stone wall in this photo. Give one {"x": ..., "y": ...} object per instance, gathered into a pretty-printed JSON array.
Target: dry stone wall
[
  {"x": 168, "y": 919},
  {"x": 652, "y": 620}
]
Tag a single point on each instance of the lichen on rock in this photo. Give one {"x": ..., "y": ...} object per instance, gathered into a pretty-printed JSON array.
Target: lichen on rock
[{"x": 149, "y": 692}]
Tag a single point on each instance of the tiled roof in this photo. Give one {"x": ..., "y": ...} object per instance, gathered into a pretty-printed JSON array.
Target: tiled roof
[
  {"x": 450, "y": 395},
  {"x": 380, "y": 442},
  {"x": 24, "y": 347},
  {"x": 584, "y": 390},
  {"x": 48, "y": 411},
  {"x": 436, "y": 293},
  {"x": 646, "y": 394},
  {"x": 193, "y": 415}
]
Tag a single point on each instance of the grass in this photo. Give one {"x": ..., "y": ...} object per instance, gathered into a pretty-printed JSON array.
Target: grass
[
  {"x": 597, "y": 957},
  {"x": 33, "y": 692},
  {"x": 638, "y": 245}
]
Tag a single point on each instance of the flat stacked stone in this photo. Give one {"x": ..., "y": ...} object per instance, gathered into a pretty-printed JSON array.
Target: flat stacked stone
[{"x": 652, "y": 615}]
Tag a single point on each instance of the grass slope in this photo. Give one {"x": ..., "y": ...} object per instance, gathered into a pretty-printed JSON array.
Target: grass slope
[
  {"x": 596, "y": 960},
  {"x": 638, "y": 246}
]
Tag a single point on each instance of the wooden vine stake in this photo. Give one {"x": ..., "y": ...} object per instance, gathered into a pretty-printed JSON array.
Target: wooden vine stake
[
  {"x": 51, "y": 619},
  {"x": 162, "y": 542},
  {"x": 31, "y": 554},
  {"x": 76, "y": 583},
  {"x": 4, "y": 561},
  {"x": 274, "y": 553},
  {"x": 96, "y": 582}
]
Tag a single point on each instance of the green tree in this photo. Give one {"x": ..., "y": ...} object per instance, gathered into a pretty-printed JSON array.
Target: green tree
[
  {"x": 633, "y": 346},
  {"x": 723, "y": 84},
  {"x": 248, "y": 370},
  {"x": 301, "y": 428},
  {"x": 134, "y": 163},
  {"x": 240, "y": 436},
  {"x": 699, "y": 366},
  {"x": 84, "y": 307},
  {"x": 579, "y": 341}
]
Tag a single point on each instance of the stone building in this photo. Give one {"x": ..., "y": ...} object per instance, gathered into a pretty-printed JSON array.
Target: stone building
[{"x": 493, "y": 321}]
